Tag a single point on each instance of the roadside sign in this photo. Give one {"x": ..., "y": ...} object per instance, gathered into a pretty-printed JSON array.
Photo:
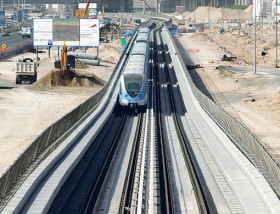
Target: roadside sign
[
  {"x": 4, "y": 48},
  {"x": 2, "y": 17}
]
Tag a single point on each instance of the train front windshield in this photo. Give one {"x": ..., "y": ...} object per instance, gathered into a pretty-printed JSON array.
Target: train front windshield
[{"x": 133, "y": 85}]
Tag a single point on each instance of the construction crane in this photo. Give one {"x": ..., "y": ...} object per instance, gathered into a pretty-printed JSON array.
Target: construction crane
[{"x": 146, "y": 4}]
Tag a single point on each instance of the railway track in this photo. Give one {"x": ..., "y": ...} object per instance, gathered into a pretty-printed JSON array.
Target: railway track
[
  {"x": 80, "y": 190},
  {"x": 169, "y": 102},
  {"x": 149, "y": 180}
]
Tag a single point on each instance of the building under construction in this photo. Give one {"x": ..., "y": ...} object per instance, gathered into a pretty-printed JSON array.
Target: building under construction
[{"x": 165, "y": 6}]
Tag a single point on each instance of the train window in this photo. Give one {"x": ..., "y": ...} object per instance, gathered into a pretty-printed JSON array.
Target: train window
[{"x": 133, "y": 86}]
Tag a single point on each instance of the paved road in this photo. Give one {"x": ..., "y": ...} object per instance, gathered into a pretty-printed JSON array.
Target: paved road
[
  {"x": 15, "y": 42},
  {"x": 244, "y": 69}
]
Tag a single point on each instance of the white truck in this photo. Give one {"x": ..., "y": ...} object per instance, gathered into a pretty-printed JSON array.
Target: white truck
[
  {"x": 26, "y": 32},
  {"x": 26, "y": 70}
]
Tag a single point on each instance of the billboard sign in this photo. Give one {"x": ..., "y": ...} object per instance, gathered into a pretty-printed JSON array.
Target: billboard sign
[
  {"x": 24, "y": 15},
  {"x": 89, "y": 32},
  {"x": 2, "y": 17},
  {"x": 42, "y": 32},
  {"x": 18, "y": 15},
  {"x": 277, "y": 10},
  {"x": 75, "y": 32}
]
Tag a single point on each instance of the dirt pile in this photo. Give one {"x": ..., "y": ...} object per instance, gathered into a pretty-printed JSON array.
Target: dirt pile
[
  {"x": 109, "y": 50},
  {"x": 212, "y": 14},
  {"x": 240, "y": 42},
  {"x": 81, "y": 78},
  {"x": 237, "y": 39},
  {"x": 257, "y": 93}
]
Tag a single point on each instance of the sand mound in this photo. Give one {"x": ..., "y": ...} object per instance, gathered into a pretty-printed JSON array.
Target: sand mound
[
  {"x": 72, "y": 79},
  {"x": 249, "y": 10},
  {"x": 207, "y": 14}
]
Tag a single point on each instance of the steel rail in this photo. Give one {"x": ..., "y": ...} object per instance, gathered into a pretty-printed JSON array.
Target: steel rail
[
  {"x": 146, "y": 189},
  {"x": 70, "y": 186},
  {"x": 91, "y": 199},
  {"x": 167, "y": 204},
  {"x": 131, "y": 170}
]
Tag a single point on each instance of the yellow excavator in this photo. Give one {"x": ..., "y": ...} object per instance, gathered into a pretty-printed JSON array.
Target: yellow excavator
[
  {"x": 62, "y": 66},
  {"x": 63, "y": 62}
]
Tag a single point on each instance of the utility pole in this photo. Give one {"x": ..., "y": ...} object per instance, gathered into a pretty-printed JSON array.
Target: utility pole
[
  {"x": 276, "y": 34},
  {"x": 255, "y": 37},
  {"x": 2, "y": 27}
]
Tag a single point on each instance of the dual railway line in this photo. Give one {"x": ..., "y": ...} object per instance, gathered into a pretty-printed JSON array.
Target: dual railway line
[
  {"x": 162, "y": 160},
  {"x": 169, "y": 90}
]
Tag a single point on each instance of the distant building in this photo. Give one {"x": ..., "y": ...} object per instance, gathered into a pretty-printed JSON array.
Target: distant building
[
  {"x": 59, "y": 10},
  {"x": 55, "y": 7},
  {"x": 144, "y": 6},
  {"x": 266, "y": 8},
  {"x": 169, "y": 6}
]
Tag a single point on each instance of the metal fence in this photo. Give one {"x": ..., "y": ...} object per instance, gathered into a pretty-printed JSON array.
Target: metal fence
[{"x": 240, "y": 135}]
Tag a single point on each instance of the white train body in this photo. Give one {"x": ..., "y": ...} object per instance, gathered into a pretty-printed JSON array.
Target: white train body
[{"x": 133, "y": 82}]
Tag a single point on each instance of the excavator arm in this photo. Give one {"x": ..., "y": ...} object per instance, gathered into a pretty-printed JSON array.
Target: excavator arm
[
  {"x": 63, "y": 57},
  {"x": 86, "y": 10}
]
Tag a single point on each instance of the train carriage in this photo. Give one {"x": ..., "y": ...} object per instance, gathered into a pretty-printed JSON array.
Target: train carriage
[
  {"x": 133, "y": 87},
  {"x": 144, "y": 30},
  {"x": 140, "y": 48}
]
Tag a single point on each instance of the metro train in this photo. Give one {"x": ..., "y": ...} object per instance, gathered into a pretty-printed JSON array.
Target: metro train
[{"x": 133, "y": 81}]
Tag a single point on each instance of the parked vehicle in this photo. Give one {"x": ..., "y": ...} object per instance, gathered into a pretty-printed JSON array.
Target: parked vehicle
[
  {"x": 5, "y": 34},
  {"x": 26, "y": 70},
  {"x": 7, "y": 26},
  {"x": 26, "y": 32}
]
